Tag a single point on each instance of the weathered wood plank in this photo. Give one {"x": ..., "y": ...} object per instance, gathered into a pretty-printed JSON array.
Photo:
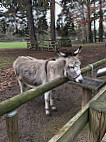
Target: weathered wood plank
[
  {"x": 72, "y": 128},
  {"x": 97, "y": 121},
  {"x": 90, "y": 83},
  {"x": 12, "y": 127},
  {"x": 87, "y": 90},
  {"x": 86, "y": 96},
  {"x": 69, "y": 131}
]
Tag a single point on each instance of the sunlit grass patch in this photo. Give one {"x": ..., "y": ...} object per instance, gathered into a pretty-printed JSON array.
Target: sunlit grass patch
[{"x": 12, "y": 45}]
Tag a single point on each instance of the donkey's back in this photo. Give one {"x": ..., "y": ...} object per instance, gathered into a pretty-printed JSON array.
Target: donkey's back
[{"x": 29, "y": 71}]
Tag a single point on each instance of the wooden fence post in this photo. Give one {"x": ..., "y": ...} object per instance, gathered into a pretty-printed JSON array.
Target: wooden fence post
[
  {"x": 12, "y": 126},
  {"x": 97, "y": 121},
  {"x": 86, "y": 96},
  {"x": 87, "y": 93}
]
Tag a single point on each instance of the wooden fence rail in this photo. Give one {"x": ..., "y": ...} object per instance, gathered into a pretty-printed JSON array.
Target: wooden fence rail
[
  {"x": 69, "y": 131},
  {"x": 16, "y": 101}
]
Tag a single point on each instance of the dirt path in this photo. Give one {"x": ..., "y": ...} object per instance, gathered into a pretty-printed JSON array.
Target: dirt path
[{"x": 34, "y": 125}]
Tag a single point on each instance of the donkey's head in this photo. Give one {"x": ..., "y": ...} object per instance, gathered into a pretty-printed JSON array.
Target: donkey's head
[{"x": 72, "y": 65}]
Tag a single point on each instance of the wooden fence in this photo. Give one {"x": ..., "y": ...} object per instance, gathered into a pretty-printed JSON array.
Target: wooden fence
[
  {"x": 69, "y": 131},
  {"x": 14, "y": 102},
  {"x": 47, "y": 45}
]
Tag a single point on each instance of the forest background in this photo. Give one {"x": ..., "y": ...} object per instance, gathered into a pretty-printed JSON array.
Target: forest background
[{"x": 82, "y": 20}]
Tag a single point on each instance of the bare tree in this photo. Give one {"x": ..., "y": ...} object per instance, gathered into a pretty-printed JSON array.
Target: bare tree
[
  {"x": 30, "y": 19},
  {"x": 52, "y": 11},
  {"x": 26, "y": 7},
  {"x": 101, "y": 23}
]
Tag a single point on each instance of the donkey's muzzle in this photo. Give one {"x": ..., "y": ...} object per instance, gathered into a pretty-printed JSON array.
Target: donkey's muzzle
[{"x": 78, "y": 78}]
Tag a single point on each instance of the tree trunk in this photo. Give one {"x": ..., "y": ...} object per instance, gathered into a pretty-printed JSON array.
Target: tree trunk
[
  {"x": 83, "y": 24},
  {"x": 52, "y": 11},
  {"x": 101, "y": 23},
  {"x": 94, "y": 25},
  {"x": 90, "y": 37},
  {"x": 30, "y": 19}
]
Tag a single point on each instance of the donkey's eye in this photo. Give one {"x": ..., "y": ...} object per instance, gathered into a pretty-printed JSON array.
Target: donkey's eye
[{"x": 71, "y": 67}]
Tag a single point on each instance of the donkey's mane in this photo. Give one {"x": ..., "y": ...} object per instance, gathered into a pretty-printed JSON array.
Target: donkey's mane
[{"x": 68, "y": 53}]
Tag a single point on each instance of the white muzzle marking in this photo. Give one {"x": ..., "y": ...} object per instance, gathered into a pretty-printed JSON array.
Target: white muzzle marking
[{"x": 78, "y": 78}]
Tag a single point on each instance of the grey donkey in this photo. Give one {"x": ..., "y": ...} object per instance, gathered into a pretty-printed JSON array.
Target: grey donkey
[{"x": 33, "y": 72}]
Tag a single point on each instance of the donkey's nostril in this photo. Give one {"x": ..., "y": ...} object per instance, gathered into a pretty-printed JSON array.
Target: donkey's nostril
[{"x": 80, "y": 81}]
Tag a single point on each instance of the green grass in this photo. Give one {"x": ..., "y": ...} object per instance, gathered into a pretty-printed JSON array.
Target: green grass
[
  {"x": 12, "y": 45},
  {"x": 6, "y": 62},
  {"x": 89, "y": 44}
]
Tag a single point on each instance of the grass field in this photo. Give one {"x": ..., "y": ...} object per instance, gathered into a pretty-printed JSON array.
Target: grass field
[
  {"x": 6, "y": 62},
  {"x": 11, "y": 45}
]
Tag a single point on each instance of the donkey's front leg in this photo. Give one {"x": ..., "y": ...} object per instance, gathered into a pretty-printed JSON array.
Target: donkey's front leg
[
  {"x": 47, "y": 99},
  {"x": 21, "y": 85},
  {"x": 52, "y": 101}
]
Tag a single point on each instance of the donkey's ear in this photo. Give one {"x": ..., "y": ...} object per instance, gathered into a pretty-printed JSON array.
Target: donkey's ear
[
  {"x": 77, "y": 51},
  {"x": 61, "y": 54}
]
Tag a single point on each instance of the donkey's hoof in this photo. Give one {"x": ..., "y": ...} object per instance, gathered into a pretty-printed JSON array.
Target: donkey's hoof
[
  {"x": 54, "y": 108},
  {"x": 48, "y": 113}
]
